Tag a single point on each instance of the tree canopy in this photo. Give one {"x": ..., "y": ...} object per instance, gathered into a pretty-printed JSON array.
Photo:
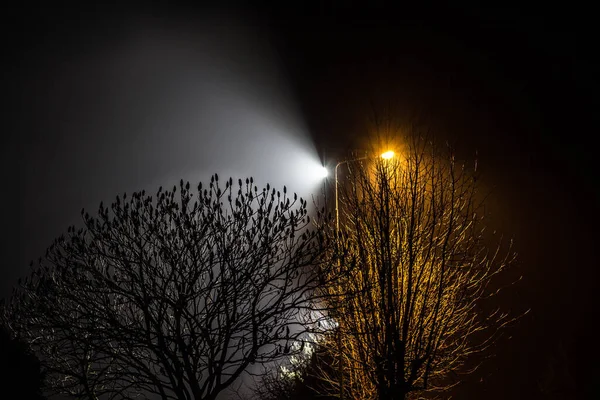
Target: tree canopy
[
  {"x": 418, "y": 266},
  {"x": 175, "y": 295}
]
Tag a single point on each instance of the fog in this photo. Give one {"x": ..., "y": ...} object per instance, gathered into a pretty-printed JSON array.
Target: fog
[{"x": 142, "y": 102}]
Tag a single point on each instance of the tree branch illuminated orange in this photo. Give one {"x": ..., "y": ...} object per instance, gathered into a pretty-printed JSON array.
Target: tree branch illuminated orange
[{"x": 415, "y": 266}]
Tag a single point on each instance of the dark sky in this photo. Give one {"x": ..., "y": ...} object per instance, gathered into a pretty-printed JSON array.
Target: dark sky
[{"x": 109, "y": 100}]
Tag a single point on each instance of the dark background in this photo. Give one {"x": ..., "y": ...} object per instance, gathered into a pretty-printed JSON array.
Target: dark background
[{"x": 515, "y": 84}]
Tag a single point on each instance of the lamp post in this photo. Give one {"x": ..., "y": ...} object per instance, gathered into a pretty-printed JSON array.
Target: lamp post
[
  {"x": 337, "y": 232},
  {"x": 386, "y": 156}
]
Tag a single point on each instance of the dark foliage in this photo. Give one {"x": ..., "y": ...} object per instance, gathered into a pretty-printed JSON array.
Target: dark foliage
[
  {"x": 21, "y": 376},
  {"x": 176, "y": 296}
]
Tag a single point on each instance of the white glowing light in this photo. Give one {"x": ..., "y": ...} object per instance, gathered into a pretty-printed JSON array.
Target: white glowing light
[
  {"x": 318, "y": 172},
  {"x": 322, "y": 172},
  {"x": 313, "y": 170}
]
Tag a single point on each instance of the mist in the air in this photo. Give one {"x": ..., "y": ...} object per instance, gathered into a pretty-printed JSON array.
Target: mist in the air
[{"x": 145, "y": 101}]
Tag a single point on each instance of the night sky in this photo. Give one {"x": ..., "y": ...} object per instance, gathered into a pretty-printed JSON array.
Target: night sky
[{"x": 106, "y": 100}]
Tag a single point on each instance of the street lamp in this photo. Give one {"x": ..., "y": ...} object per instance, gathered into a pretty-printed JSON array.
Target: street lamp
[{"x": 386, "y": 156}]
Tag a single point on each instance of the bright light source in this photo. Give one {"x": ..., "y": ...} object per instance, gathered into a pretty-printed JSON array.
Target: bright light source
[
  {"x": 322, "y": 172},
  {"x": 313, "y": 171},
  {"x": 306, "y": 172},
  {"x": 388, "y": 154}
]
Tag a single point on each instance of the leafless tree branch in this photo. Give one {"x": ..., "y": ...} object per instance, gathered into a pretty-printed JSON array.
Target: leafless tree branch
[{"x": 174, "y": 296}]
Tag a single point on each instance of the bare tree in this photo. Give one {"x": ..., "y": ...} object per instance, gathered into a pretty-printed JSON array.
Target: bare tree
[
  {"x": 172, "y": 296},
  {"x": 412, "y": 309}
]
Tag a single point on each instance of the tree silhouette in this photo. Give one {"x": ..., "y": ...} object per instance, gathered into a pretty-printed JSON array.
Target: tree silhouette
[
  {"x": 412, "y": 308},
  {"x": 172, "y": 296},
  {"x": 21, "y": 376}
]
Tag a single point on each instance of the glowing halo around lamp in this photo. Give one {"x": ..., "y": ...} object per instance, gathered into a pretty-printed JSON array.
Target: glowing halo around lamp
[
  {"x": 307, "y": 174},
  {"x": 388, "y": 154},
  {"x": 316, "y": 172},
  {"x": 322, "y": 172}
]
